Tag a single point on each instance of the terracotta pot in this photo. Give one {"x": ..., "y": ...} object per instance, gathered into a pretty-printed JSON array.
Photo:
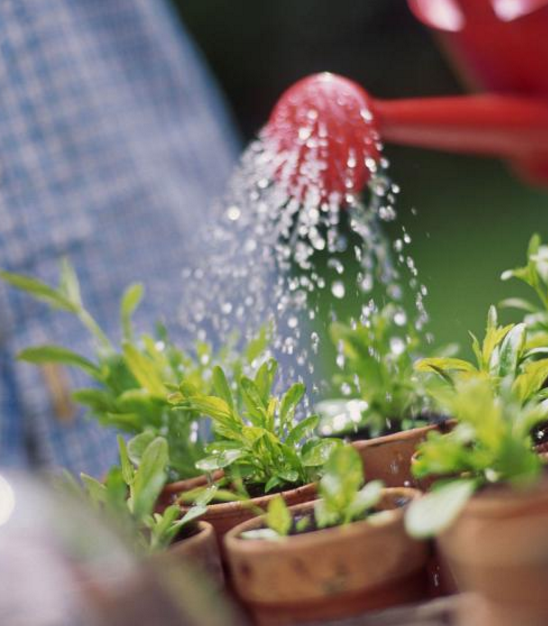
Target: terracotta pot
[
  {"x": 389, "y": 458},
  {"x": 201, "y": 551},
  {"x": 498, "y": 548},
  {"x": 330, "y": 573}
]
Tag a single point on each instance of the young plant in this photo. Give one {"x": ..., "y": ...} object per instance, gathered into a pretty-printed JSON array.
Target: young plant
[
  {"x": 503, "y": 355},
  {"x": 490, "y": 444},
  {"x": 535, "y": 276},
  {"x": 382, "y": 391},
  {"x": 129, "y": 496},
  {"x": 131, "y": 384},
  {"x": 258, "y": 442},
  {"x": 343, "y": 499}
]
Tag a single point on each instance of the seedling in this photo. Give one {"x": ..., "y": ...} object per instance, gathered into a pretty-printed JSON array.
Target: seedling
[
  {"x": 129, "y": 496},
  {"x": 132, "y": 383},
  {"x": 344, "y": 499},
  {"x": 535, "y": 275},
  {"x": 259, "y": 442},
  {"x": 491, "y": 444},
  {"x": 382, "y": 391},
  {"x": 503, "y": 355}
]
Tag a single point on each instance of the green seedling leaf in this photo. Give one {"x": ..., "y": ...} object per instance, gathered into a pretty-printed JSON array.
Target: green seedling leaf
[
  {"x": 40, "y": 291},
  {"x": 511, "y": 349},
  {"x": 435, "y": 512},
  {"x": 290, "y": 402},
  {"x": 150, "y": 478},
  {"x": 69, "y": 285},
  {"x": 518, "y": 303},
  {"x": 219, "y": 461},
  {"x": 56, "y": 354},
  {"x": 130, "y": 301},
  {"x": 128, "y": 472},
  {"x": 264, "y": 379},
  {"x": 278, "y": 516},
  {"x": 137, "y": 446},
  {"x": 144, "y": 371},
  {"x": 221, "y": 387},
  {"x": 439, "y": 363},
  {"x": 366, "y": 498},
  {"x": 303, "y": 429},
  {"x": 316, "y": 452},
  {"x": 531, "y": 380}
]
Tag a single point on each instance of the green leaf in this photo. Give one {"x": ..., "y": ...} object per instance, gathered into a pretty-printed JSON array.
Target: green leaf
[
  {"x": 443, "y": 364},
  {"x": 315, "y": 453},
  {"x": 435, "y": 512},
  {"x": 40, "y": 291},
  {"x": 213, "y": 407},
  {"x": 137, "y": 446},
  {"x": 128, "y": 472},
  {"x": 221, "y": 386},
  {"x": 56, "y": 354},
  {"x": 518, "y": 303},
  {"x": 302, "y": 429},
  {"x": 511, "y": 349},
  {"x": 366, "y": 498},
  {"x": 218, "y": 461},
  {"x": 150, "y": 478},
  {"x": 278, "y": 516},
  {"x": 69, "y": 285},
  {"x": 531, "y": 380},
  {"x": 290, "y": 402},
  {"x": 264, "y": 379},
  {"x": 144, "y": 371},
  {"x": 96, "y": 490},
  {"x": 130, "y": 301},
  {"x": 343, "y": 477}
]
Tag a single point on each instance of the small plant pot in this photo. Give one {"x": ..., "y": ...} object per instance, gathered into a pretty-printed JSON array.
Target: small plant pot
[
  {"x": 498, "y": 548},
  {"x": 201, "y": 552},
  {"x": 388, "y": 458},
  {"x": 225, "y": 516},
  {"x": 331, "y": 573}
]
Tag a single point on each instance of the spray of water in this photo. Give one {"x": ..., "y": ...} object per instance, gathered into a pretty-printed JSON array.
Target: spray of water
[{"x": 273, "y": 259}]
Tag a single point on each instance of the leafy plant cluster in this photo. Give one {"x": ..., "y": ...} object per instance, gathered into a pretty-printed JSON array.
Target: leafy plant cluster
[
  {"x": 129, "y": 495},
  {"x": 381, "y": 385},
  {"x": 343, "y": 499},
  {"x": 131, "y": 384},
  {"x": 504, "y": 355},
  {"x": 259, "y": 443},
  {"x": 535, "y": 275},
  {"x": 490, "y": 444}
]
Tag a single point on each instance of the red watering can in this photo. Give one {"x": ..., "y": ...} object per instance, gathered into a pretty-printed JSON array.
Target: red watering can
[{"x": 326, "y": 129}]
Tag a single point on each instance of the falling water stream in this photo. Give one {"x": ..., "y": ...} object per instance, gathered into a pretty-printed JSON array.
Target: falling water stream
[{"x": 272, "y": 259}]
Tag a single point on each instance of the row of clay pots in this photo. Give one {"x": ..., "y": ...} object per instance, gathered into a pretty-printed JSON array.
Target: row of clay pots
[{"x": 362, "y": 567}]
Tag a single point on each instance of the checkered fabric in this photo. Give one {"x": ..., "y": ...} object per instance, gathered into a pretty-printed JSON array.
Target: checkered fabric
[{"x": 113, "y": 142}]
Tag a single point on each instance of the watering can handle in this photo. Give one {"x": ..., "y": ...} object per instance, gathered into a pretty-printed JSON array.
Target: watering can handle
[{"x": 496, "y": 125}]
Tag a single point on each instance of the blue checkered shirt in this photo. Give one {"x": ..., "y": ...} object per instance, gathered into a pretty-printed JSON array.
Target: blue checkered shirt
[{"x": 113, "y": 143}]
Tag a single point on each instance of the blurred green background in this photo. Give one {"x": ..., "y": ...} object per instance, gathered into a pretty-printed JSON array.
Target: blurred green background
[{"x": 473, "y": 217}]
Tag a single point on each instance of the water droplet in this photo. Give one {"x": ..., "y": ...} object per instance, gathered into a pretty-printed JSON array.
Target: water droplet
[{"x": 338, "y": 289}]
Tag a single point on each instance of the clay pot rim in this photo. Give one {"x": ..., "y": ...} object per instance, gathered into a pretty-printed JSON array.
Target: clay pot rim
[
  {"x": 226, "y": 509},
  {"x": 402, "y": 435},
  {"x": 205, "y": 531},
  {"x": 233, "y": 541}
]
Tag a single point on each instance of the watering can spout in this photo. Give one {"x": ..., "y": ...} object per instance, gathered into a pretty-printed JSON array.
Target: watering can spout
[{"x": 328, "y": 131}]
